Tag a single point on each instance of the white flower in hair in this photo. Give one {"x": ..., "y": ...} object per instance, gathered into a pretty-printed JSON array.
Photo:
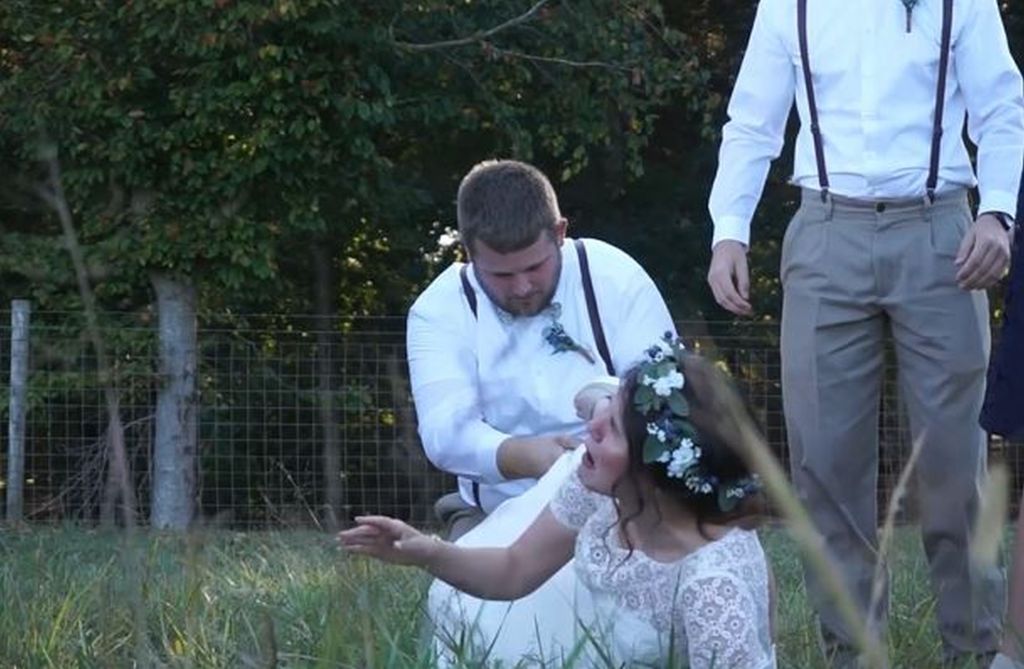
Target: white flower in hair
[
  {"x": 664, "y": 385},
  {"x": 682, "y": 458},
  {"x": 657, "y": 432}
]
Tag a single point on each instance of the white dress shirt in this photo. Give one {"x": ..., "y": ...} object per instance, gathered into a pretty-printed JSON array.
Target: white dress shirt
[
  {"x": 478, "y": 381},
  {"x": 875, "y": 86}
]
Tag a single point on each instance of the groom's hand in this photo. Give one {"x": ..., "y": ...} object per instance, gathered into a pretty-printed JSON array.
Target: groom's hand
[
  {"x": 591, "y": 399},
  {"x": 729, "y": 277},
  {"x": 531, "y": 457}
]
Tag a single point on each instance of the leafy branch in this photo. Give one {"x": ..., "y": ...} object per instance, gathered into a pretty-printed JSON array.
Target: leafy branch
[{"x": 479, "y": 36}]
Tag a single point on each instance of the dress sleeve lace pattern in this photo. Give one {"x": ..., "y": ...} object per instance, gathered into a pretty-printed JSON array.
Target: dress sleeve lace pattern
[
  {"x": 719, "y": 622},
  {"x": 574, "y": 502}
]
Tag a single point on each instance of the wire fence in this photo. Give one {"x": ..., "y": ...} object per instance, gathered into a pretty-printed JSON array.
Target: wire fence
[{"x": 263, "y": 433}]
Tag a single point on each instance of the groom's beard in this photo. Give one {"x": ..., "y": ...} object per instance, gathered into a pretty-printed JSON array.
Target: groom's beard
[{"x": 529, "y": 305}]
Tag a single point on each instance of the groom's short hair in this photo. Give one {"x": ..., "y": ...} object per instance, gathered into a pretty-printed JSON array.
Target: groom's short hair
[{"x": 506, "y": 204}]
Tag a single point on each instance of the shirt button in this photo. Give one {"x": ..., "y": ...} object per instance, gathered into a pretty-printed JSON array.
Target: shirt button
[{"x": 880, "y": 207}]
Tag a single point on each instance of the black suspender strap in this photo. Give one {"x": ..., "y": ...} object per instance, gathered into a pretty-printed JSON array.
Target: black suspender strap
[
  {"x": 812, "y": 107},
  {"x": 467, "y": 288},
  {"x": 595, "y": 316},
  {"x": 940, "y": 98}
]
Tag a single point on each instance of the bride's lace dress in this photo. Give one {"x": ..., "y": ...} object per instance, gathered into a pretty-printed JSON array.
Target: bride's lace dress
[{"x": 709, "y": 609}]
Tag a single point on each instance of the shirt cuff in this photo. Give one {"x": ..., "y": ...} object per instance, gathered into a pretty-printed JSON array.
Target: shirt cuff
[
  {"x": 486, "y": 455},
  {"x": 999, "y": 201},
  {"x": 731, "y": 227}
]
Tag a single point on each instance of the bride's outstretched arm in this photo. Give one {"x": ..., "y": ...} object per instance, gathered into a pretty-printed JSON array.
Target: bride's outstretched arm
[{"x": 488, "y": 573}]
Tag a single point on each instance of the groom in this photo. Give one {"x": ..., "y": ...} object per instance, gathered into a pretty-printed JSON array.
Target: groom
[{"x": 499, "y": 346}]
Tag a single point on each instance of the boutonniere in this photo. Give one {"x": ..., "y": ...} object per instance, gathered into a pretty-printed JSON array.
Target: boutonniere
[
  {"x": 909, "y": 4},
  {"x": 559, "y": 340}
]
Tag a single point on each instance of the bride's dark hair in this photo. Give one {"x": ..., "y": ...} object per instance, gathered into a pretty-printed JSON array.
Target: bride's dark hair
[{"x": 720, "y": 418}]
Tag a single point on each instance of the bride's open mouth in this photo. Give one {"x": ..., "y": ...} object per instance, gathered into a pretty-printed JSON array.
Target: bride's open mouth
[{"x": 588, "y": 459}]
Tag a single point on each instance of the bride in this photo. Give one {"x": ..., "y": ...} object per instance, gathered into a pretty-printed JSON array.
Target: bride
[{"x": 647, "y": 516}]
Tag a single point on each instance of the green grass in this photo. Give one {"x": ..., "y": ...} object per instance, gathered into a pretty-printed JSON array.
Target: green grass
[{"x": 78, "y": 598}]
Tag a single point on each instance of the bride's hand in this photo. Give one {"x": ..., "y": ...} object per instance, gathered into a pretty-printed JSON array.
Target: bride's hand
[{"x": 389, "y": 540}]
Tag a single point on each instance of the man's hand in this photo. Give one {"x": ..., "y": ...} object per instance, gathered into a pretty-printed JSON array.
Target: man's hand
[
  {"x": 984, "y": 254},
  {"x": 389, "y": 540},
  {"x": 729, "y": 277},
  {"x": 591, "y": 398},
  {"x": 531, "y": 457}
]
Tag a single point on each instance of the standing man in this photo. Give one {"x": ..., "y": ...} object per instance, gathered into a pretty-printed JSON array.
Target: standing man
[
  {"x": 883, "y": 239},
  {"x": 499, "y": 347}
]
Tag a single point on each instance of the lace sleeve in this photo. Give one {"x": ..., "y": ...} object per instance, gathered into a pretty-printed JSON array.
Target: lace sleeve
[
  {"x": 721, "y": 624},
  {"x": 574, "y": 502}
]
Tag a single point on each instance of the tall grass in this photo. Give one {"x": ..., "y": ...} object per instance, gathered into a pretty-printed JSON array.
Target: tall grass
[{"x": 80, "y": 598}]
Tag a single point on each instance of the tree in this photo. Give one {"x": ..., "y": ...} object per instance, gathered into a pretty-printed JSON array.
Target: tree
[{"x": 205, "y": 144}]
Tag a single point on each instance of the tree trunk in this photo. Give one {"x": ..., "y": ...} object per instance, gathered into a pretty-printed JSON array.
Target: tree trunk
[
  {"x": 174, "y": 445},
  {"x": 329, "y": 419}
]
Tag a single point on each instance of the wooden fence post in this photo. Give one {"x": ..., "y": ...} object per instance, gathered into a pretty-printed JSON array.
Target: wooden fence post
[{"x": 20, "y": 311}]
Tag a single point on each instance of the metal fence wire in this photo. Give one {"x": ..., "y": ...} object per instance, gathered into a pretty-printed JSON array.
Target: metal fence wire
[{"x": 263, "y": 428}]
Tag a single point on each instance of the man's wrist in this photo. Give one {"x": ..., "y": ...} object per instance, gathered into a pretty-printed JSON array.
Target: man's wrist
[
  {"x": 1004, "y": 219},
  {"x": 523, "y": 457}
]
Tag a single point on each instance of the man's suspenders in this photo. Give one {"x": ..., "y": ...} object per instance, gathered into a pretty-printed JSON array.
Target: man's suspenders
[
  {"x": 592, "y": 312},
  {"x": 940, "y": 98}
]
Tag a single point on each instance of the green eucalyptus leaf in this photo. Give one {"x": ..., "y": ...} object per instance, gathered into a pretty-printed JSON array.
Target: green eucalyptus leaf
[
  {"x": 653, "y": 448},
  {"x": 678, "y": 404}
]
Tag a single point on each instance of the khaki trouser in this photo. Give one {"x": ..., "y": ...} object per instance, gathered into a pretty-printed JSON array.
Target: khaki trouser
[
  {"x": 850, "y": 271},
  {"x": 456, "y": 516}
]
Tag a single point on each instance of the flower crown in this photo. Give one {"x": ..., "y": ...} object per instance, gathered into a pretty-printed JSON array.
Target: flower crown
[{"x": 671, "y": 438}]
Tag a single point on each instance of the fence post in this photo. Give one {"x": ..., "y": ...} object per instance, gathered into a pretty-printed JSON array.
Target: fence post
[
  {"x": 20, "y": 311},
  {"x": 177, "y": 405}
]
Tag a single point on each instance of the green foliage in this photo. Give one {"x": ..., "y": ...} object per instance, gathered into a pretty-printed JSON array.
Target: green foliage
[{"x": 216, "y": 139}]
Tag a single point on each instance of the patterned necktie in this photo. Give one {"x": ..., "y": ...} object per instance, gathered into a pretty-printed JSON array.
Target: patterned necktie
[{"x": 909, "y": 4}]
